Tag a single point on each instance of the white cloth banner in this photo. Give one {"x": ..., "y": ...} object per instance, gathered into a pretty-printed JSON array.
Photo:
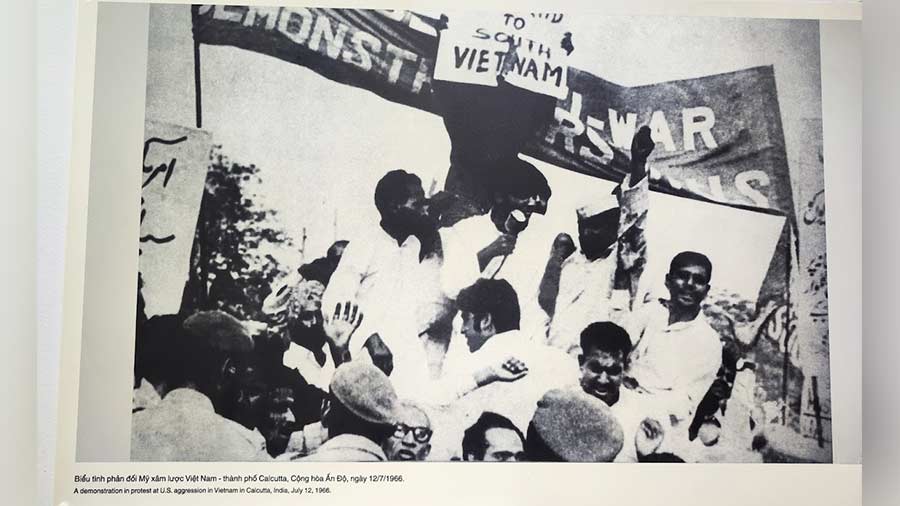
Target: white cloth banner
[{"x": 174, "y": 174}]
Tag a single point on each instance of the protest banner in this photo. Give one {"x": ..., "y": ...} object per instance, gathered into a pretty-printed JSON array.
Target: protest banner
[
  {"x": 720, "y": 136},
  {"x": 174, "y": 173}
]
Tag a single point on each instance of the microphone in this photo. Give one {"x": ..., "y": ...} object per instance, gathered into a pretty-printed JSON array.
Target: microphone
[{"x": 516, "y": 222}]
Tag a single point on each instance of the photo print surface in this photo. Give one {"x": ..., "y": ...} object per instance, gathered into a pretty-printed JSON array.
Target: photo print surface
[{"x": 376, "y": 235}]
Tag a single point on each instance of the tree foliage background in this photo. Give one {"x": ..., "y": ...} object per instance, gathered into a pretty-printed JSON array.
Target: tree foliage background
[{"x": 231, "y": 268}]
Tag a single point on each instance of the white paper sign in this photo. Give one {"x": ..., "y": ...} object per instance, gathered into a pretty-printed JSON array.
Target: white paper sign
[
  {"x": 174, "y": 174},
  {"x": 526, "y": 49}
]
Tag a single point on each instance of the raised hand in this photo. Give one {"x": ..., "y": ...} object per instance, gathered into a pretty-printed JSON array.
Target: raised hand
[
  {"x": 507, "y": 370},
  {"x": 341, "y": 324},
  {"x": 649, "y": 437},
  {"x": 511, "y": 369},
  {"x": 563, "y": 246},
  {"x": 642, "y": 145}
]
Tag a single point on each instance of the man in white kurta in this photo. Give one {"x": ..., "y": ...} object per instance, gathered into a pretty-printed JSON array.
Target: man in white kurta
[
  {"x": 599, "y": 281},
  {"x": 587, "y": 282},
  {"x": 393, "y": 277},
  {"x": 502, "y": 369},
  {"x": 501, "y": 244},
  {"x": 677, "y": 353}
]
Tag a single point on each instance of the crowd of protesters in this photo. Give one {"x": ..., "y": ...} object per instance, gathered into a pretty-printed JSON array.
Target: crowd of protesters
[{"x": 447, "y": 334}]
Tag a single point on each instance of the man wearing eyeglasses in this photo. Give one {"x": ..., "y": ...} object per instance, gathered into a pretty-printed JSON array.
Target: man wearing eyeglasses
[{"x": 412, "y": 435}]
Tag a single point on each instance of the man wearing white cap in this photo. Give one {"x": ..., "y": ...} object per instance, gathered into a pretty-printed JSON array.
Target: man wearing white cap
[{"x": 598, "y": 282}]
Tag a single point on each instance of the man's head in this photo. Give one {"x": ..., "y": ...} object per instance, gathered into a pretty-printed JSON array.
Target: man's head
[
  {"x": 571, "y": 426},
  {"x": 412, "y": 435},
  {"x": 401, "y": 202},
  {"x": 688, "y": 279},
  {"x": 306, "y": 299},
  {"x": 597, "y": 232},
  {"x": 519, "y": 186},
  {"x": 493, "y": 438},
  {"x": 215, "y": 354},
  {"x": 319, "y": 270},
  {"x": 604, "y": 354},
  {"x": 244, "y": 397},
  {"x": 488, "y": 307},
  {"x": 361, "y": 401}
]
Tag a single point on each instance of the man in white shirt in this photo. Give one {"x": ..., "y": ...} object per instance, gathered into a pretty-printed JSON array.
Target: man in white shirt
[
  {"x": 497, "y": 245},
  {"x": 392, "y": 274},
  {"x": 505, "y": 371},
  {"x": 598, "y": 282},
  {"x": 604, "y": 348},
  {"x": 677, "y": 353}
]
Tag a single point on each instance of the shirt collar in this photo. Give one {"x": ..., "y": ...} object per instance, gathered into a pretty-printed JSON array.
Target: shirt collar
[{"x": 679, "y": 326}]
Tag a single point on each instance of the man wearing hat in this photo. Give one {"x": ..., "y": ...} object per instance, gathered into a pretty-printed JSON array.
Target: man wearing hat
[
  {"x": 188, "y": 424},
  {"x": 571, "y": 426},
  {"x": 360, "y": 414},
  {"x": 599, "y": 280}
]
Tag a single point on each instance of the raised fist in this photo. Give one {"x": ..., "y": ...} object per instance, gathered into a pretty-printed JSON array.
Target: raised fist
[
  {"x": 563, "y": 246},
  {"x": 642, "y": 144}
]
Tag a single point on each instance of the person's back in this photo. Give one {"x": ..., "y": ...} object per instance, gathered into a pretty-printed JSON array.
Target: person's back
[
  {"x": 207, "y": 358},
  {"x": 359, "y": 415},
  {"x": 347, "y": 448},
  {"x": 184, "y": 427}
]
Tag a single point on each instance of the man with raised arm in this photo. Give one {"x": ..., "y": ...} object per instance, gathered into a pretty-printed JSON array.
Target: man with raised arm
[{"x": 598, "y": 281}]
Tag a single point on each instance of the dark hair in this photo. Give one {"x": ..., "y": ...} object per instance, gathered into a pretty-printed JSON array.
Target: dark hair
[
  {"x": 519, "y": 178},
  {"x": 333, "y": 249},
  {"x": 606, "y": 336},
  {"x": 494, "y": 296},
  {"x": 474, "y": 442},
  {"x": 661, "y": 458},
  {"x": 319, "y": 270},
  {"x": 536, "y": 450},
  {"x": 393, "y": 187},
  {"x": 156, "y": 356},
  {"x": 688, "y": 258}
]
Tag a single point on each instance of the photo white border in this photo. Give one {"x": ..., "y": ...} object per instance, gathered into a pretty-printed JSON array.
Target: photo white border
[{"x": 842, "y": 132}]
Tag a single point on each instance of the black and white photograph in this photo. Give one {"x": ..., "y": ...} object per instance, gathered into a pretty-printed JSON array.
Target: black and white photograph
[{"x": 461, "y": 235}]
